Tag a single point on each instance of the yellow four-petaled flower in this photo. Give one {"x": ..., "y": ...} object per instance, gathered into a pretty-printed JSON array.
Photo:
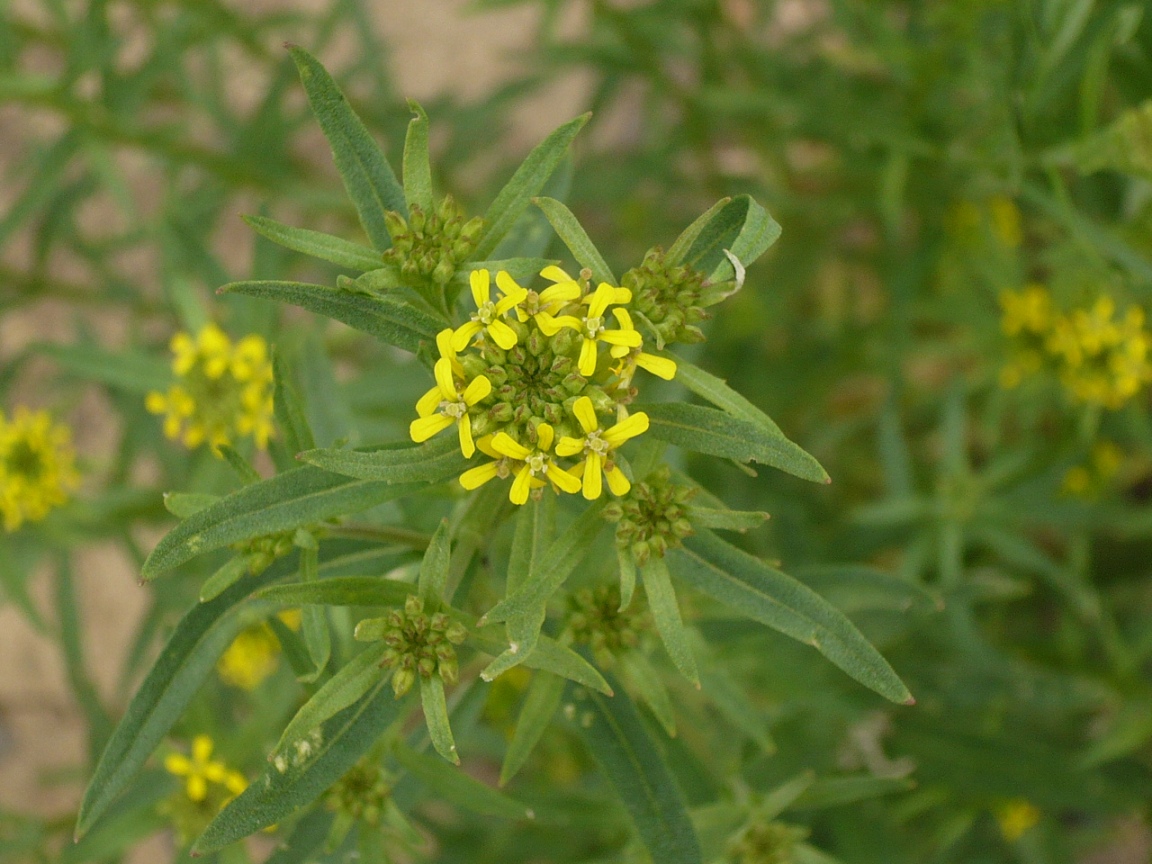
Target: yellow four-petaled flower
[
  {"x": 597, "y": 446},
  {"x": 201, "y": 770}
]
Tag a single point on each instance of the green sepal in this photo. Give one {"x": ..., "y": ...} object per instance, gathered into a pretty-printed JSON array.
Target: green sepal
[{"x": 431, "y": 462}]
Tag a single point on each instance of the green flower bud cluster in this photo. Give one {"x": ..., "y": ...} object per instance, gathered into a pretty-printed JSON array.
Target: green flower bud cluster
[
  {"x": 670, "y": 299},
  {"x": 536, "y": 381},
  {"x": 652, "y": 518},
  {"x": 595, "y": 619},
  {"x": 361, "y": 794},
  {"x": 418, "y": 643},
  {"x": 263, "y": 551},
  {"x": 767, "y": 843},
  {"x": 427, "y": 246}
]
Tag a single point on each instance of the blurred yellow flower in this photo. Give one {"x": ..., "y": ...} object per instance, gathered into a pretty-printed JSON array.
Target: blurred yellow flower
[
  {"x": 1103, "y": 358},
  {"x": 254, "y": 654},
  {"x": 223, "y": 390},
  {"x": 201, "y": 771},
  {"x": 1016, "y": 818},
  {"x": 37, "y": 468},
  {"x": 1088, "y": 480}
]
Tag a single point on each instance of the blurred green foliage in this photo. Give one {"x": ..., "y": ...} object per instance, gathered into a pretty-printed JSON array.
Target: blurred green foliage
[{"x": 923, "y": 159}]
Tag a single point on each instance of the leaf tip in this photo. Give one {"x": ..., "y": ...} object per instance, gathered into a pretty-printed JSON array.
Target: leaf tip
[{"x": 911, "y": 700}]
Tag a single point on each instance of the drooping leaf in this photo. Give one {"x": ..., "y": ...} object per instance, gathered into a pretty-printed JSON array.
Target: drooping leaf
[
  {"x": 742, "y": 227},
  {"x": 526, "y": 183},
  {"x": 706, "y": 430},
  {"x": 326, "y": 247},
  {"x": 687, "y": 239},
  {"x": 389, "y": 319},
  {"x": 368, "y": 178},
  {"x": 764, "y": 594},
  {"x": 637, "y": 771}
]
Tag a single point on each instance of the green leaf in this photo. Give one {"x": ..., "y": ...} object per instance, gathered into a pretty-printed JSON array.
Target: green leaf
[
  {"x": 717, "y": 391},
  {"x": 189, "y": 657},
  {"x": 742, "y": 227},
  {"x": 339, "y": 591},
  {"x": 666, "y": 616},
  {"x": 837, "y": 791},
  {"x": 367, "y": 176},
  {"x": 854, "y": 587},
  {"x": 291, "y": 418},
  {"x": 389, "y": 319},
  {"x": 185, "y": 504},
  {"x": 224, "y": 578},
  {"x": 525, "y": 184},
  {"x": 729, "y": 520},
  {"x": 569, "y": 229},
  {"x": 346, "y": 687},
  {"x": 417, "y": 167},
  {"x": 314, "y": 624},
  {"x": 434, "y": 566},
  {"x": 127, "y": 371},
  {"x": 540, "y": 704},
  {"x": 243, "y": 469},
  {"x": 278, "y": 794},
  {"x": 326, "y": 247},
  {"x": 430, "y": 462},
  {"x": 679, "y": 248},
  {"x": 542, "y": 652},
  {"x": 627, "y": 566},
  {"x": 706, "y": 430},
  {"x": 456, "y": 787},
  {"x": 636, "y": 770},
  {"x": 750, "y": 586},
  {"x": 291, "y": 500},
  {"x": 534, "y": 527},
  {"x": 435, "y": 706},
  {"x": 650, "y": 685}
]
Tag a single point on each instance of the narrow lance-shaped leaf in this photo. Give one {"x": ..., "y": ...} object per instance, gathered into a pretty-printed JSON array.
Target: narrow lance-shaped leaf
[
  {"x": 367, "y": 176},
  {"x": 525, "y": 184},
  {"x": 540, "y": 705},
  {"x": 456, "y": 787},
  {"x": 314, "y": 623},
  {"x": 729, "y": 520},
  {"x": 346, "y": 687},
  {"x": 764, "y": 594},
  {"x": 288, "y": 501},
  {"x": 636, "y": 770},
  {"x": 666, "y": 617},
  {"x": 280, "y": 793},
  {"x": 326, "y": 247},
  {"x": 431, "y": 462},
  {"x": 548, "y": 655},
  {"x": 417, "y": 167},
  {"x": 569, "y": 229},
  {"x": 224, "y": 578},
  {"x": 389, "y": 319},
  {"x": 706, "y": 430},
  {"x": 435, "y": 706},
  {"x": 291, "y": 418},
  {"x": 679, "y": 248},
  {"x": 717, "y": 391},
  {"x": 339, "y": 591},
  {"x": 189, "y": 657},
  {"x": 434, "y": 567}
]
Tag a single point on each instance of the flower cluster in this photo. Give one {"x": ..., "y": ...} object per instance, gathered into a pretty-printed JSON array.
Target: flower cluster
[
  {"x": 223, "y": 390},
  {"x": 536, "y": 378},
  {"x": 653, "y": 518},
  {"x": 427, "y": 246},
  {"x": 1092, "y": 477},
  {"x": 418, "y": 643},
  {"x": 37, "y": 468},
  {"x": 1101, "y": 357},
  {"x": 596, "y": 619},
  {"x": 767, "y": 843}
]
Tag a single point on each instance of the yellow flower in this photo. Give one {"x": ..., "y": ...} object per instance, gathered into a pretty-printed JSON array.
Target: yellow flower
[
  {"x": 1104, "y": 359},
  {"x": 250, "y": 659},
  {"x": 444, "y": 405},
  {"x": 223, "y": 391},
  {"x": 630, "y": 358},
  {"x": 201, "y": 770},
  {"x": 1028, "y": 310},
  {"x": 1017, "y": 817},
  {"x": 1005, "y": 221},
  {"x": 564, "y": 289},
  {"x": 489, "y": 316},
  {"x": 530, "y": 466},
  {"x": 597, "y": 446},
  {"x": 1087, "y": 481},
  {"x": 592, "y": 326},
  {"x": 37, "y": 468}
]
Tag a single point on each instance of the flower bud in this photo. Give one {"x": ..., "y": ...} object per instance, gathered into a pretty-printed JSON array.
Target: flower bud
[{"x": 402, "y": 681}]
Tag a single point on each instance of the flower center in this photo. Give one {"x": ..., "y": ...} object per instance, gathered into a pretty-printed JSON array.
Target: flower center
[
  {"x": 486, "y": 314},
  {"x": 593, "y": 443},
  {"x": 23, "y": 460},
  {"x": 593, "y": 327},
  {"x": 531, "y": 304},
  {"x": 537, "y": 463},
  {"x": 455, "y": 410}
]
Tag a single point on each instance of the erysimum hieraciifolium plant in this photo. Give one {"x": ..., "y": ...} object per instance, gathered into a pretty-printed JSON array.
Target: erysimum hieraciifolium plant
[{"x": 534, "y": 518}]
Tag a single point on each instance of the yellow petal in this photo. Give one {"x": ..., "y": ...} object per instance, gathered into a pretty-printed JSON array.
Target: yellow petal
[
  {"x": 201, "y": 748},
  {"x": 623, "y": 318},
  {"x": 477, "y": 389},
  {"x": 480, "y": 282},
  {"x": 635, "y": 425},
  {"x": 502, "y": 334},
  {"x": 550, "y": 326},
  {"x": 587, "y": 362},
  {"x": 513, "y": 293},
  {"x": 215, "y": 771},
  {"x": 569, "y": 446},
  {"x": 156, "y": 403},
  {"x": 424, "y": 428},
  {"x": 429, "y": 402},
  {"x": 586, "y": 414},
  {"x": 520, "y": 486},
  {"x": 476, "y": 477},
  {"x": 568, "y": 482},
  {"x": 467, "y": 447},
  {"x": 554, "y": 274},
  {"x": 484, "y": 445},
  {"x": 661, "y": 367},
  {"x": 444, "y": 380},
  {"x": 178, "y": 764},
  {"x": 506, "y": 445},
  {"x": 599, "y": 301},
  {"x": 464, "y": 334},
  {"x": 444, "y": 343},
  {"x": 197, "y": 787},
  {"x": 545, "y": 434},
  {"x": 236, "y": 782},
  {"x": 617, "y": 482},
  {"x": 630, "y": 338},
  {"x": 559, "y": 293},
  {"x": 592, "y": 477}
]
